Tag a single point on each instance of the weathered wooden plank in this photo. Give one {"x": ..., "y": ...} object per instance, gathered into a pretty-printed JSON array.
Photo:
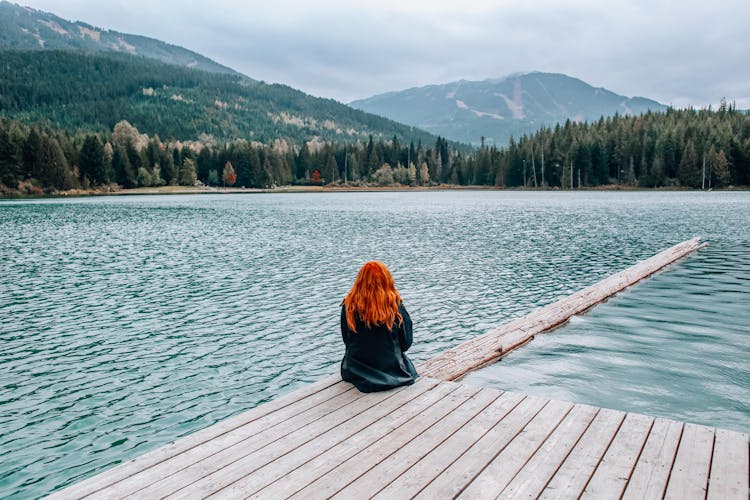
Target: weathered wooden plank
[
  {"x": 286, "y": 463},
  {"x": 220, "y": 453},
  {"x": 651, "y": 473},
  {"x": 612, "y": 474},
  {"x": 227, "y": 467},
  {"x": 572, "y": 476},
  {"x": 501, "y": 470},
  {"x": 729, "y": 467},
  {"x": 396, "y": 464},
  {"x": 533, "y": 477},
  {"x": 336, "y": 479},
  {"x": 301, "y": 399},
  {"x": 491, "y": 346},
  {"x": 287, "y": 485},
  {"x": 689, "y": 478},
  {"x": 423, "y": 472},
  {"x": 462, "y": 471}
]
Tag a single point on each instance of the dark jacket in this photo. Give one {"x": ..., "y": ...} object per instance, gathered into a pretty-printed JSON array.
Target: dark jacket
[{"x": 374, "y": 358}]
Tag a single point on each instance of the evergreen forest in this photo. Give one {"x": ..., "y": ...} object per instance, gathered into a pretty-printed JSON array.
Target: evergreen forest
[
  {"x": 93, "y": 91},
  {"x": 678, "y": 148}
]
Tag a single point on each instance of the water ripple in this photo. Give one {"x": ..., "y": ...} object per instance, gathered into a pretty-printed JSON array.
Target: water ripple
[
  {"x": 128, "y": 322},
  {"x": 675, "y": 346}
]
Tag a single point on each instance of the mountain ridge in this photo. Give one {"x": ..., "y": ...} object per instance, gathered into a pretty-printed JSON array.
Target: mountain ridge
[
  {"x": 23, "y": 27},
  {"x": 497, "y": 109}
]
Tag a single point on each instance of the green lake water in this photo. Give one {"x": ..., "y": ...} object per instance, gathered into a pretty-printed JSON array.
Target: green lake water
[{"x": 126, "y": 322}]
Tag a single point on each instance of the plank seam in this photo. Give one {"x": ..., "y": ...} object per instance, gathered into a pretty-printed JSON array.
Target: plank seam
[
  {"x": 541, "y": 443},
  {"x": 442, "y": 441},
  {"x": 409, "y": 441},
  {"x": 640, "y": 452},
  {"x": 503, "y": 448},
  {"x": 710, "y": 463},
  {"x": 552, "y": 476},
  {"x": 674, "y": 459},
  {"x": 113, "y": 483},
  {"x": 336, "y": 443},
  {"x": 360, "y": 397},
  {"x": 598, "y": 463},
  {"x": 312, "y": 480}
]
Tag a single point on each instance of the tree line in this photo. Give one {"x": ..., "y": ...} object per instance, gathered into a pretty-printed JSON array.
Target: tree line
[
  {"x": 687, "y": 148},
  {"x": 679, "y": 148}
]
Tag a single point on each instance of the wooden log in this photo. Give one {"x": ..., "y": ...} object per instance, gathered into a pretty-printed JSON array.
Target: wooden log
[{"x": 488, "y": 348}]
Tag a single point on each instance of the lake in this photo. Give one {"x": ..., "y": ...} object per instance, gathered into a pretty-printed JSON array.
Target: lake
[{"x": 127, "y": 322}]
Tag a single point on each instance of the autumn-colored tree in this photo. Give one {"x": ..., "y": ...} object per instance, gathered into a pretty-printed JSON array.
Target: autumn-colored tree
[
  {"x": 315, "y": 177},
  {"x": 228, "y": 175}
]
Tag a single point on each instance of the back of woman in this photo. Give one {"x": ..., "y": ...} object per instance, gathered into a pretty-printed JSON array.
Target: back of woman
[{"x": 377, "y": 331}]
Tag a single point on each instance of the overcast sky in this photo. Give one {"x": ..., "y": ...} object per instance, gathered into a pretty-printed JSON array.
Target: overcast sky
[{"x": 680, "y": 52}]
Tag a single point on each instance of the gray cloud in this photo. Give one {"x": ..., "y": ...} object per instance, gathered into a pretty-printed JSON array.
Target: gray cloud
[{"x": 684, "y": 53}]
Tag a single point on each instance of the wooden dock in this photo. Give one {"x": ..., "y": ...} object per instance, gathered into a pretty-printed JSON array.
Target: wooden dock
[
  {"x": 435, "y": 439},
  {"x": 443, "y": 439}
]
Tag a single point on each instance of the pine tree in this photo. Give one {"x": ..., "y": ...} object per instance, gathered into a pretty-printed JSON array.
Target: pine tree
[
  {"x": 188, "y": 173},
  {"x": 721, "y": 169},
  {"x": 125, "y": 174},
  {"x": 92, "y": 161},
  {"x": 330, "y": 174},
  {"x": 30, "y": 155},
  {"x": 10, "y": 159},
  {"x": 688, "y": 173},
  {"x": 168, "y": 169},
  {"x": 54, "y": 170},
  {"x": 303, "y": 163}
]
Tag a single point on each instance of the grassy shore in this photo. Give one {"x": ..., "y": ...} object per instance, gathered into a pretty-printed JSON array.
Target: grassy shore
[
  {"x": 162, "y": 190},
  {"x": 234, "y": 190}
]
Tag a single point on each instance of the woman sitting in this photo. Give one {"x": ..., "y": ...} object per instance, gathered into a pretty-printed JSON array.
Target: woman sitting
[{"x": 377, "y": 332}]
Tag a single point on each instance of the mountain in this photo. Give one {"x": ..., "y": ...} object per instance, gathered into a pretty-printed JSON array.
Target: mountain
[
  {"x": 499, "y": 109},
  {"x": 76, "y": 76},
  {"x": 26, "y": 28},
  {"x": 94, "y": 91}
]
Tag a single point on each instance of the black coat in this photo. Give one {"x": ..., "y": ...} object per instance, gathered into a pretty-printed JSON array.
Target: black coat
[{"x": 374, "y": 358}]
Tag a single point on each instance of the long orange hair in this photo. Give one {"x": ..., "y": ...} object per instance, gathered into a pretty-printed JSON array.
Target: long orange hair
[{"x": 373, "y": 297}]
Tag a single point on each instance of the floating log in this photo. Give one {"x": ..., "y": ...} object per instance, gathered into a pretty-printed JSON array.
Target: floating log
[{"x": 488, "y": 348}]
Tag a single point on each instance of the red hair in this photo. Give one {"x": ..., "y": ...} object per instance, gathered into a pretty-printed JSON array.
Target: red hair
[{"x": 373, "y": 297}]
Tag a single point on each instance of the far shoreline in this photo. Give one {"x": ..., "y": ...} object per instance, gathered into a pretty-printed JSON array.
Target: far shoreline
[{"x": 198, "y": 190}]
